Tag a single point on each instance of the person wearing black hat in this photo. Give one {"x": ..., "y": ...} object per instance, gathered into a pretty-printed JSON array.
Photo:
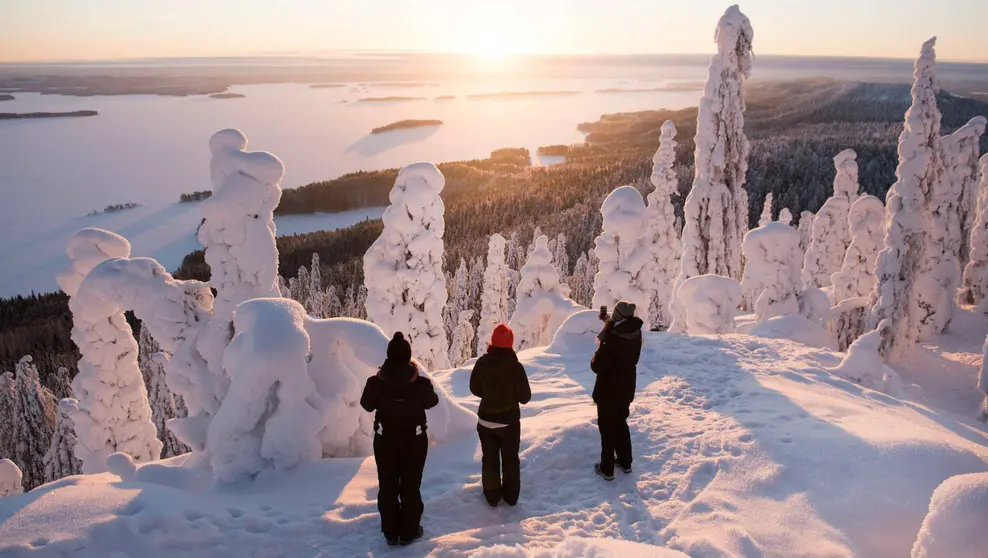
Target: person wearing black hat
[
  {"x": 616, "y": 366},
  {"x": 400, "y": 397}
]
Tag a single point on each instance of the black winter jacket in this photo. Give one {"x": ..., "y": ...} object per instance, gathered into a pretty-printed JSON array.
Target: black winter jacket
[
  {"x": 616, "y": 364},
  {"x": 500, "y": 382},
  {"x": 400, "y": 396}
]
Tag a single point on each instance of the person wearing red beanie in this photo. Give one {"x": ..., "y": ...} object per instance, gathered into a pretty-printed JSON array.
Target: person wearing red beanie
[{"x": 500, "y": 381}]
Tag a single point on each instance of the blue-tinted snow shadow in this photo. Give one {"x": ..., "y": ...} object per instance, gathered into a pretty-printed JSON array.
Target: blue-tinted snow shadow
[{"x": 375, "y": 144}]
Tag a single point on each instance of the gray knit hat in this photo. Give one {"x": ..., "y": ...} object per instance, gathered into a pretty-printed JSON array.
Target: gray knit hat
[{"x": 624, "y": 310}]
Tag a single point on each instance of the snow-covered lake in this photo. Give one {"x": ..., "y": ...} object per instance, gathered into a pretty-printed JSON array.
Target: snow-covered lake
[{"x": 149, "y": 149}]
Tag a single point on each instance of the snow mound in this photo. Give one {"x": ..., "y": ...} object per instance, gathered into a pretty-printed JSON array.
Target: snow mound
[
  {"x": 121, "y": 465},
  {"x": 863, "y": 364},
  {"x": 10, "y": 478},
  {"x": 578, "y": 330},
  {"x": 955, "y": 526},
  {"x": 710, "y": 302},
  {"x": 795, "y": 328}
]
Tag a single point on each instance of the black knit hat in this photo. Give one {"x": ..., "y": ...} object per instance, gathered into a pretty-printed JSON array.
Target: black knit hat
[{"x": 399, "y": 351}]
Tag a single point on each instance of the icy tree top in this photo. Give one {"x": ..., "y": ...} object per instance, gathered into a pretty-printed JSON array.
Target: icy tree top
[
  {"x": 734, "y": 36},
  {"x": 495, "y": 250},
  {"x": 623, "y": 227},
  {"x": 846, "y": 181},
  {"x": 415, "y": 202},
  {"x": 86, "y": 249},
  {"x": 275, "y": 328},
  {"x": 922, "y": 128},
  {"x": 966, "y": 134},
  {"x": 663, "y": 177},
  {"x": 539, "y": 274}
]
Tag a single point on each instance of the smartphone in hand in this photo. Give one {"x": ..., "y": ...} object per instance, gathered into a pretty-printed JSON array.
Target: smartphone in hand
[{"x": 603, "y": 313}]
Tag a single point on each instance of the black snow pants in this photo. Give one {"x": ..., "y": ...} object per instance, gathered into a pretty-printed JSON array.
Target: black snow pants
[
  {"x": 500, "y": 465},
  {"x": 400, "y": 460},
  {"x": 615, "y": 437}
]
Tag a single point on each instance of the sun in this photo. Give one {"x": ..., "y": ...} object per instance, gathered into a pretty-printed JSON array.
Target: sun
[{"x": 489, "y": 47}]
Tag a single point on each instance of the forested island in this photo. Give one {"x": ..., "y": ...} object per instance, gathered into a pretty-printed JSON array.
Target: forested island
[
  {"x": 227, "y": 96},
  {"x": 402, "y": 124},
  {"x": 326, "y": 85},
  {"x": 114, "y": 208},
  {"x": 445, "y": 97},
  {"x": 22, "y": 115},
  {"x": 397, "y": 84},
  {"x": 389, "y": 99},
  {"x": 5, "y": 97}
]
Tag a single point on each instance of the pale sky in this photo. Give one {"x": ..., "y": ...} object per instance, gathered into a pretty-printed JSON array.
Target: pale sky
[{"x": 44, "y": 30}]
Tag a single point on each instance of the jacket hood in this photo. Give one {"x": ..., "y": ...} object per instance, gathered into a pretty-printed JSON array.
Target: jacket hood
[
  {"x": 629, "y": 328},
  {"x": 397, "y": 371}
]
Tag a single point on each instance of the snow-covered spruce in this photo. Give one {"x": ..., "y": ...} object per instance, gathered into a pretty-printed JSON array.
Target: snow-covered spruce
[
  {"x": 238, "y": 234},
  {"x": 806, "y": 219},
  {"x": 33, "y": 422},
  {"x": 543, "y": 302},
  {"x": 766, "y": 216},
  {"x": 10, "y": 478},
  {"x": 856, "y": 277},
  {"x": 152, "y": 363},
  {"x": 494, "y": 300},
  {"x": 716, "y": 210},
  {"x": 785, "y": 217},
  {"x": 8, "y": 395},
  {"x": 60, "y": 459},
  {"x": 625, "y": 253},
  {"x": 560, "y": 258},
  {"x": 907, "y": 301},
  {"x": 406, "y": 288},
  {"x": 831, "y": 232},
  {"x": 847, "y": 321},
  {"x": 461, "y": 342},
  {"x": 458, "y": 289},
  {"x": 174, "y": 313},
  {"x": 666, "y": 248},
  {"x": 976, "y": 270},
  {"x": 955, "y": 525},
  {"x": 961, "y": 150},
  {"x": 581, "y": 281},
  {"x": 771, "y": 280},
  {"x": 710, "y": 303}
]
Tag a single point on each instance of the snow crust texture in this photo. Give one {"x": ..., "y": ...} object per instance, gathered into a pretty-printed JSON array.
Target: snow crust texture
[{"x": 955, "y": 527}]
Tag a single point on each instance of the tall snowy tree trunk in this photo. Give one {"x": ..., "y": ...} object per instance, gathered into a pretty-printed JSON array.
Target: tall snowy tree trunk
[
  {"x": 625, "y": 253},
  {"x": 856, "y": 277},
  {"x": 976, "y": 270},
  {"x": 666, "y": 248},
  {"x": 905, "y": 299},
  {"x": 831, "y": 232},
  {"x": 963, "y": 168},
  {"x": 495, "y": 309},
  {"x": 766, "y": 216}
]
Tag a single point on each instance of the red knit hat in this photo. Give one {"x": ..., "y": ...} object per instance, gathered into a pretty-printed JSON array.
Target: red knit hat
[{"x": 502, "y": 337}]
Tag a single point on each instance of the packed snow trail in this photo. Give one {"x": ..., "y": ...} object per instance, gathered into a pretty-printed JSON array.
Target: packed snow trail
[{"x": 744, "y": 446}]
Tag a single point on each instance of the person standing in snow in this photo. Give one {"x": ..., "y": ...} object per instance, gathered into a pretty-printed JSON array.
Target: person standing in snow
[
  {"x": 616, "y": 366},
  {"x": 400, "y": 396},
  {"x": 500, "y": 382}
]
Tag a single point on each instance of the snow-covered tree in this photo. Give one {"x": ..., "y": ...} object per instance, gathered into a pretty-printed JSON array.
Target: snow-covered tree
[
  {"x": 11, "y": 481},
  {"x": 543, "y": 301},
  {"x": 475, "y": 288},
  {"x": 961, "y": 151},
  {"x": 856, "y": 277},
  {"x": 495, "y": 307},
  {"x": 60, "y": 460},
  {"x": 717, "y": 206},
  {"x": 559, "y": 256},
  {"x": 983, "y": 381},
  {"x": 458, "y": 291},
  {"x": 766, "y": 216},
  {"x": 238, "y": 234},
  {"x": 905, "y": 300},
  {"x": 785, "y": 217},
  {"x": 666, "y": 248},
  {"x": 625, "y": 253},
  {"x": 806, "y": 219},
  {"x": 515, "y": 255},
  {"x": 8, "y": 395},
  {"x": 716, "y": 211},
  {"x": 771, "y": 280},
  {"x": 162, "y": 402},
  {"x": 710, "y": 304},
  {"x": 461, "y": 342},
  {"x": 976, "y": 270},
  {"x": 406, "y": 287},
  {"x": 831, "y": 233},
  {"x": 34, "y": 422}
]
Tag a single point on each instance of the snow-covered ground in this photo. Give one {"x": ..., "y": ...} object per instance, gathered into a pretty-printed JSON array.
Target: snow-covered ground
[
  {"x": 744, "y": 446},
  {"x": 32, "y": 257}
]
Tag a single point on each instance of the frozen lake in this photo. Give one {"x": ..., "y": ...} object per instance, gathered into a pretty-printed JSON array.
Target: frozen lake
[{"x": 149, "y": 149}]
